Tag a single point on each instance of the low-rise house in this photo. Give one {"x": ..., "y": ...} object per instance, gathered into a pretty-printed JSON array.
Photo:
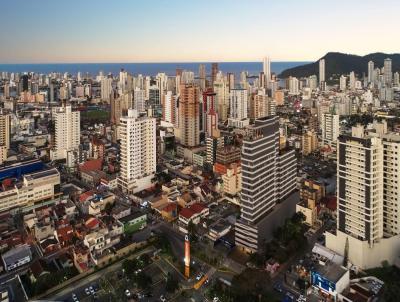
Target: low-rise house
[
  {"x": 110, "y": 181},
  {"x": 169, "y": 212},
  {"x": 134, "y": 222},
  {"x": 92, "y": 178},
  {"x": 101, "y": 239},
  {"x": 17, "y": 257},
  {"x": 192, "y": 214},
  {"x": 93, "y": 203},
  {"x": 49, "y": 245},
  {"x": 120, "y": 210},
  {"x": 81, "y": 257},
  {"x": 219, "y": 229}
]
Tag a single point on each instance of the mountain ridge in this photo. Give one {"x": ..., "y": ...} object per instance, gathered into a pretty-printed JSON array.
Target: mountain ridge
[{"x": 338, "y": 63}]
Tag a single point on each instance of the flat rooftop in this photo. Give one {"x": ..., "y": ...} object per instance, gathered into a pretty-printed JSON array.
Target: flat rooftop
[
  {"x": 42, "y": 174},
  {"x": 330, "y": 271}
]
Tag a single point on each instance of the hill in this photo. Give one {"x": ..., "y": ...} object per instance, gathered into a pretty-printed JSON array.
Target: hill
[{"x": 337, "y": 63}]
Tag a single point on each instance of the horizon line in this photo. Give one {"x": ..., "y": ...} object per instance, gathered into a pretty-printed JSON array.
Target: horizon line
[{"x": 154, "y": 62}]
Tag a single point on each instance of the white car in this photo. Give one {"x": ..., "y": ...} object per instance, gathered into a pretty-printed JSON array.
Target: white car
[
  {"x": 162, "y": 298},
  {"x": 75, "y": 298},
  {"x": 127, "y": 293},
  {"x": 199, "y": 276},
  {"x": 87, "y": 291}
]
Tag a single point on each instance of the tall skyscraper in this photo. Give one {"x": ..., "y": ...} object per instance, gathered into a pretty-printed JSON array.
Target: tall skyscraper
[
  {"x": 67, "y": 132},
  {"x": 368, "y": 204},
  {"x": 293, "y": 86},
  {"x": 238, "y": 105},
  {"x": 214, "y": 71},
  {"x": 221, "y": 88},
  {"x": 396, "y": 79},
  {"x": 25, "y": 82},
  {"x": 343, "y": 83},
  {"x": 352, "y": 81},
  {"x": 123, "y": 81},
  {"x": 371, "y": 72},
  {"x": 189, "y": 115},
  {"x": 139, "y": 100},
  {"x": 267, "y": 71},
  {"x": 106, "y": 88},
  {"x": 268, "y": 176},
  {"x": 155, "y": 99},
  {"x": 202, "y": 76},
  {"x": 321, "y": 71},
  {"x": 169, "y": 108},
  {"x": 387, "y": 69},
  {"x": 138, "y": 151},
  {"x": 209, "y": 114}
]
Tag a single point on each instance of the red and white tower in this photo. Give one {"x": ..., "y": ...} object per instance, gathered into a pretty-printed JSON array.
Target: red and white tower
[{"x": 187, "y": 256}]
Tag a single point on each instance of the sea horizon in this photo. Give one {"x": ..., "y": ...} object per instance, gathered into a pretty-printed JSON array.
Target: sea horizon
[{"x": 253, "y": 68}]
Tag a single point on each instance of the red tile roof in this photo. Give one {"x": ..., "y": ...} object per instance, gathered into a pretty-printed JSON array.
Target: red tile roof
[
  {"x": 91, "y": 165},
  {"x": 187, "y": 213},
  {"x": 169, "y": 208},
  {"x": 197, "y": 207},
  {"x": 85, "y": 196},
  {"x": 92, "y": 223}
]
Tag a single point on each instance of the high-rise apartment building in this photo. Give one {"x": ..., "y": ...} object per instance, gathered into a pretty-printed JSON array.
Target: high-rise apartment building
[
  {"x": 169, "y": 108},
  {"x": 221, "y": 88},
  {"x": 238, "y": 105},
  {"x": 214, "y": 71},
  {"x": 387, "y": 72},
  {"x": 202, "y": 76},
  {"x": 189, "y": 115},
  {"x": 368, "y": 228},
  {"x": 209, "y": 114},
  {"x": 330, "y": 129},
  {"x": 321, "y": 71},
  {"x": 138, "y": 151},
  {"x": 267, "y": 71},
  {"x": 293, "y": 86},
  {"x": 106, "y": 88},
  {"x": 343, "y": 83},
  {"x": 262, "y": 105},
  {"x": 352, "y": 81},
  {"x": 309, "y": 142},
  {"x": 139, "y": 102},
  {"x": 268, "y": 176},
  {"x": 67, "y": 132},
  {"x": 5, "y": 130},
  {"x": 123, "y": 81},
  {"x": 371, "y": 72}
]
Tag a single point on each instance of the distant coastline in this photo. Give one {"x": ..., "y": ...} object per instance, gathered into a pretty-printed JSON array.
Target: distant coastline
[{"x": 253, "y": 68}]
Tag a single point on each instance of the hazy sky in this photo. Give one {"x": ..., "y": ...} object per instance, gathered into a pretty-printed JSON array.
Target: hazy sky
[{"x": 193, "y": 30}]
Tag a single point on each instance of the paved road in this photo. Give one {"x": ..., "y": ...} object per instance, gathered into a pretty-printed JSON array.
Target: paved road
[{"x": 79, "y": 286}]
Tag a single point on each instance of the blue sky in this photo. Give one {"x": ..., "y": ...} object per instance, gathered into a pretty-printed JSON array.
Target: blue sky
[{"x": 187, "y": 30}]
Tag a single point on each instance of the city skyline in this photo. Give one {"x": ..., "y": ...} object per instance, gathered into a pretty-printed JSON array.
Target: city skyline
[{"x": 96, "y": 32}]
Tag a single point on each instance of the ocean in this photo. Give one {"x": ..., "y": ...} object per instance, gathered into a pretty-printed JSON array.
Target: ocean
[{"x": 253, "y": 68}]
